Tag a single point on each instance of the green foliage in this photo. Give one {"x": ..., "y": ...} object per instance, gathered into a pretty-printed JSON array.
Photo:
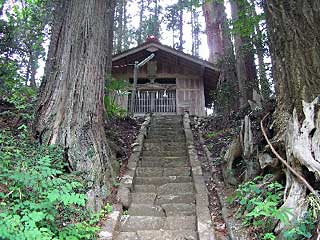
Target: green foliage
[
  {"x": 114, "y": 89},
  {"x": 213, "y": 134},
  {"x": 38, "y": 200},
  {"x": 301, "y": 229},
  {"x": 23, "y": 29},
  {"x": 269, "y": 236},
  {"x": 225, "y": 96},
  {"x": 259, "y": 205}
]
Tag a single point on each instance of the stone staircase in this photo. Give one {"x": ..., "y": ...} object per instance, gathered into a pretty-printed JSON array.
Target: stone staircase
[{"x": 163, "y": 197}]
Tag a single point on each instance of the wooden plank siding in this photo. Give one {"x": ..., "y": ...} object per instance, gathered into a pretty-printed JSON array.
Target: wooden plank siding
[
  {"x": 195, "y": 78},
  {"x": 189, "y": 93},
  {"x": 190, "y": 96}
]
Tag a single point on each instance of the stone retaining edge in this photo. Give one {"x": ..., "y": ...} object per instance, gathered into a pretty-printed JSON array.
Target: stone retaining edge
[
  {"x": 204, "y": 223},
  {"x": 126, "y": 183},
  {"x": 233, "y": 226}
]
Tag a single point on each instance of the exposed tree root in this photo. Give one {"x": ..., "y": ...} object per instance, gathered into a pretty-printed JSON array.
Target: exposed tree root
[{"x": 295, "y": 173}]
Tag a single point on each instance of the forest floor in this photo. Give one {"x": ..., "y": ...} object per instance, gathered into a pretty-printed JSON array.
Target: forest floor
[
  {"x": 121, "y": 134},
  {"x": 217, "y": 132}
]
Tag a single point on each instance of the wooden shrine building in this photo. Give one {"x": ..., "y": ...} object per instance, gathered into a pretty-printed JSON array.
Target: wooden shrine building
[{"x": 171, "y": 83}]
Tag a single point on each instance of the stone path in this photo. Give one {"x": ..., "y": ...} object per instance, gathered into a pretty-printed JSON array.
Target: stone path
[{"x": 163, "y": 197}]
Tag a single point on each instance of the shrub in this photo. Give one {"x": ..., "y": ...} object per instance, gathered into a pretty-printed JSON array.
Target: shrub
[
  {"x": 259, "y": 207},
  {"x": 259, "y": 201},
  {"x": 38, "y": 199}
]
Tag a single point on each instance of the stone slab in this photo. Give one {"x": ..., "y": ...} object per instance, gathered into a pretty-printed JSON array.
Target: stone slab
[
  {"x": 146, "y": 210},
  {"x": 180, "y": 223},
  {"x": 149, "y": 171},
  {"x": 175, "y": 198},
  {"x": 174, "y": 188},
  {"x": 145, "y": 188},
  {"x": 167, "y": 235},
  {"x": 127, "y": 236},
  {"x": 177, "y": 171},
  {"x": 179, "y": 209},
  {"x": 143, "y": 198},
  {"x": 158, "y": 181},
  {"x": 136, "y": 223}
]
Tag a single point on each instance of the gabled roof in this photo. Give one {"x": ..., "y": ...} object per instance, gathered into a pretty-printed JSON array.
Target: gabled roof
[
  {"x": 155, "y": 45},
  {"x": 210, "y": 72}
]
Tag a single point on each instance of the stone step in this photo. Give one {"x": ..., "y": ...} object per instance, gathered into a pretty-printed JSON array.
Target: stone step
[
  {"x": 137, "y": 209},
  {"x": 163, "y": 163},
  {"x": 163, "y": 147},
  {"x": 177, "y": 153},
  {"x": 180, "y": 223},
  {"x": 188, "y": 198},
  {"x": 161, "y": 132},
  {"x": 167, "y": 235},
  {"x": 149, "y": 171},
  {"x": 179, "y": 138},
  {"x": 159, "y": 141},
  {"x": 144, "y": 198},
  {"x": 165, "y": 136},
  {"x": 158, "y": 181},
  {"x": 126, "y": 236},
  {"x": 159, "y": 124},
  {"x": 138, "y": 223},
  {"x": 143, "y": 188},
  {"x": 179, "y": 209},
  {"x": 166, "y": 127},
  {"x": 159, "y": 171},
  {"x": 175, "y": 188},
  {"x": 164, "y": 158},
  {"x": 178, "y": 129},
  {"x": 148, "y": 145}
]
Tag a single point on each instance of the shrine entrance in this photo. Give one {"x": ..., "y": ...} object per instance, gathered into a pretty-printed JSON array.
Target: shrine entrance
[{"x": 155, "y": 101}]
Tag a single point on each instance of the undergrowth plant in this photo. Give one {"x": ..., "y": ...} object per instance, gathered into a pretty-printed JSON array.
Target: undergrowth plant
[
  {"x": 259, "y": 203},
  {"x": 260, "y": 208},
  {"x": 38, "y": 199},
  {"x": 114, "y": 89}
]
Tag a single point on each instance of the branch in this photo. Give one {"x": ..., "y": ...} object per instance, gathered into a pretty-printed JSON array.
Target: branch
[{"x": 301, "y": 178}]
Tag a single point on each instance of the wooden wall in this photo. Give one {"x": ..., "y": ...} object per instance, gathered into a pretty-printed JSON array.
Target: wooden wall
[
  {"x": 190, "y": 95},
  {"x": 189, "y": 92},
  {"x": 189, "y": 81}
]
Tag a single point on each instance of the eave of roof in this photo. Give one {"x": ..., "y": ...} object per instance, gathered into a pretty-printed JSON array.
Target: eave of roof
[{"x": 166, "y": 49}]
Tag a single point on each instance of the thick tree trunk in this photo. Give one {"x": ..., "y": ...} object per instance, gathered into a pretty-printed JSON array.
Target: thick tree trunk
[
  {"x": 240, "y": 62},
  {"x": 180, "y": 48},
  {"x": 70, "y": 106},
  {"x": 294, "y": 32},
  {"x": 265, "y": 89},
  {"x": 140, "y": 40},
  {"x": 33, "y": 69},
  {"x": 120, "y": 25},
  {"x": 221, "y": 52},
  {"x": 294, "y": 41},
  {"x": 213, "y": 13}
]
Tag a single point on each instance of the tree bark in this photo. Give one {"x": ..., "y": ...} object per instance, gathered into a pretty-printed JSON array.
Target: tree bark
[
  {"x": 180, "y": 48},
  {"x": 70, "y": 107},
  {"x": 140, "y": 40},
  {"x": 294, "y": 32},
  {"x": 265, "y": 89},
  {"x": 213, "y": 13},
  {"x": 221, "y": 53},
  {"x": 240, "y": 63},
  {"x": 120, "y": 25},
  {"x": 294, "y": 43}
]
